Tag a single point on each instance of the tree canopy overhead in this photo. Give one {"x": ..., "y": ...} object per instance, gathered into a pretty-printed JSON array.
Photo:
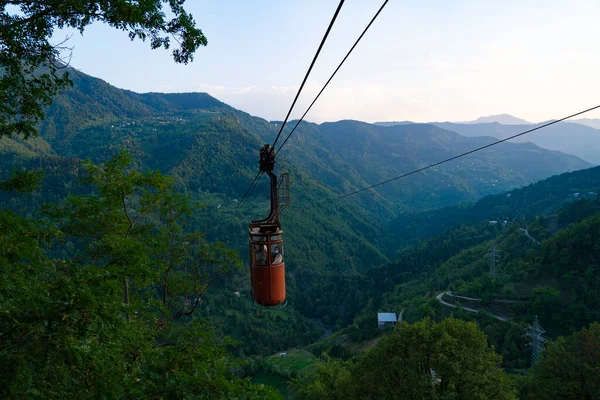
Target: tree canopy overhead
[{"x": 31, "y": 69}]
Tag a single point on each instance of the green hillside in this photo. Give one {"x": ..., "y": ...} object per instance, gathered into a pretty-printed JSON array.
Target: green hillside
[
  {"x": 538, "y": 198},
  {"x": 391, "y": 249}
]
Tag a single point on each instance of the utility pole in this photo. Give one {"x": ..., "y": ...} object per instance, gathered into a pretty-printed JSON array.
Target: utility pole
[
  {"x": 534, "y": 332},
  {"x": 493, "y": 258}
]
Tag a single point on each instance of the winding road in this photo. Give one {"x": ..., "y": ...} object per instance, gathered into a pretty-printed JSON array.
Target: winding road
[
  {"x": 441, "y": 300},
  {"x": 526, "y": 232}
]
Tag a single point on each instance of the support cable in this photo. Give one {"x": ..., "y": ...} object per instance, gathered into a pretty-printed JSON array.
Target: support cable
[{"x": 332, "y": 75}]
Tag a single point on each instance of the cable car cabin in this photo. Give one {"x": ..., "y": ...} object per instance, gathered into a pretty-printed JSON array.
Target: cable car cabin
[{"x": 267, "y": 269}]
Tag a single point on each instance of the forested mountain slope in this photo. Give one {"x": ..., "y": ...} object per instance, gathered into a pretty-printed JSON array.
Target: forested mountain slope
[
  {"x": 173, "y": 131},
  {"x": 342, "y": 257},
  {"x": 371, "y": 154},
  {"x": 211, "y": 149},
  {"x": 549, "y": 263},
  {"x": 542, "y": 197},
  {"x": 546, "y": 265}
]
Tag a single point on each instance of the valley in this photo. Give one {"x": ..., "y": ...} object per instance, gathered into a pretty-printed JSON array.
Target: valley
[
  {"x": 235, "y": 224},
  {"x": 402, "y": 247}
]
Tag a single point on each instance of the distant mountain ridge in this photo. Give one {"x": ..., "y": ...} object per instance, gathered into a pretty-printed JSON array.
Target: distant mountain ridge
[
  {"x": 392, "y": 123},
  {"x": 568, "y": 137},
  {"x": 578, "y": 137},
  {"x": 504, "y": 119},
  {"x": 591, "y": 122}
]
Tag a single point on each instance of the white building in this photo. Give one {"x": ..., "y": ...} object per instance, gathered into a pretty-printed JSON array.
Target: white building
[{"x": 384, "y": 319}]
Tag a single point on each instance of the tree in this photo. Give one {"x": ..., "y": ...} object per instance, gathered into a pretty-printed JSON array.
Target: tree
[
  {"x": 331, "y": 381},
  {"x": 136, "y": 224},
  {"x": 32, "y": 69},
  {"x": 115, "y": 318},
  {"x": 449, "y": 360},
  {"x": 568, "y": 369}
]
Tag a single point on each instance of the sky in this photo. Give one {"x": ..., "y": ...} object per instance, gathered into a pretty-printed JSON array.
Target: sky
[{"x": 423, "y": 61}]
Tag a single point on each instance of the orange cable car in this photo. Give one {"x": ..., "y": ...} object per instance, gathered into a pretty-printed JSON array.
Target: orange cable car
[{"x": 267, "y": 269}]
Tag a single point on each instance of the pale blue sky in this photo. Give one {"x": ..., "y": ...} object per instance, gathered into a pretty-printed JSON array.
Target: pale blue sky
[{"x": 432, "y": 60}]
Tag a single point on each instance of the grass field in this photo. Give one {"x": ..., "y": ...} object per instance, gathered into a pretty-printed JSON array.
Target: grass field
[{"x": 297, "y": 362}]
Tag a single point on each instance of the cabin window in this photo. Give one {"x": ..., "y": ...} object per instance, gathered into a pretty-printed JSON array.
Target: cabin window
[
  {"x": 259, "y": 238},
  {"x": 276, "y": 237},
  {"x": 260, "y": 254},
  {"x": 276, "y": 254}
]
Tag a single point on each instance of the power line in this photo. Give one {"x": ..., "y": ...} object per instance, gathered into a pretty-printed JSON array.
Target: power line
[
  {"x": 255, "y": 185},
  {"x": 250, "y": 188},
  {"x": 337, "y": 11},
  {"x": 259, "y": 174},
  {"x": 331, "y": 77},
  {"x": 465, "y": 154}
]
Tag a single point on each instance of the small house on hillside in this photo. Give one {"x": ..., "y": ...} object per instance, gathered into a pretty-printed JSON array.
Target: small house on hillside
[{"x": 384, "y": 319}]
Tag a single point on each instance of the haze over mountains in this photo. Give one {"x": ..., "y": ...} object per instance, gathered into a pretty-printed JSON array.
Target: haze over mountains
[
  {"x": 591, "y": 122},
  {"x": 579, "y": 137},
  {"x": 504, "y": 119},
  {"x": 568, "y": 137},
  {"x": 507, "y": 119}
]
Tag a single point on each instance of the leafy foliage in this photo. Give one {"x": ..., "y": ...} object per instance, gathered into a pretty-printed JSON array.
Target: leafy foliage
[
  {"x": 115, "y": 319},
  {"x": 420, "y": 361},
  {"x": 568, "y": 369},
  {"x": 22, "y": 181}
]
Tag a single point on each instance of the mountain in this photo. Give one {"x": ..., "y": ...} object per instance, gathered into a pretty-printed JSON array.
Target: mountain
[
  {"x": 425, "y": 240},
  {"x": 568, "y": 137},
  {"x": 392, "y": 123},
  {"x": 539, "y": 198},
  {"x": 353, "y": 154},
  {"x": 591, "y": 122},
  {"x": 208, "y": 145},
  {"x": 504, "y": 119},
  {"x": 396, "y": 248},
  {"x": 547, "y": 265},
  {"x": 211, "y": 151}
]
